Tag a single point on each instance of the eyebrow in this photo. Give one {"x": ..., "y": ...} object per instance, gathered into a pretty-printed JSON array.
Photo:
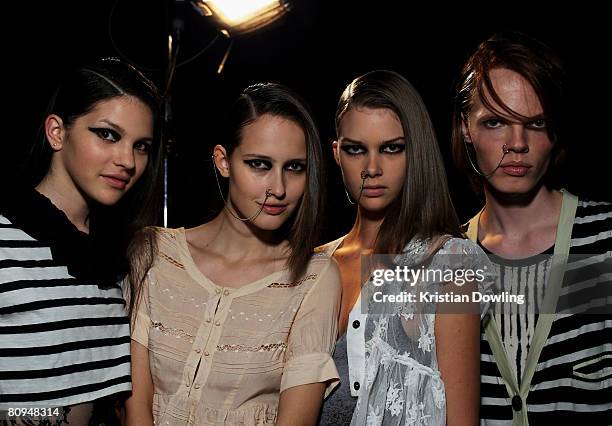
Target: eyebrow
[
  {"x": 122, "y": 131},
  {"x": 265, "y": 157},
  {"x": 356, "y": 142},
  {"x": 520, "y": 119},
  {"x": 113, "y": 125}
]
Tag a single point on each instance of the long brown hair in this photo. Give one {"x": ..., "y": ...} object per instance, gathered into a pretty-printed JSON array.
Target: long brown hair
[
  {"x": 303, "y": 228},
  {"x": 423, "y": 208},
  {"x": 79, "y": 92}
]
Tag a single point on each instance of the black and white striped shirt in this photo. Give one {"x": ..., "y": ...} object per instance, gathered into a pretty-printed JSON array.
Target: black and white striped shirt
[
  {"x": 572, "y": 383},
  {"x": 63, "y": 341}
]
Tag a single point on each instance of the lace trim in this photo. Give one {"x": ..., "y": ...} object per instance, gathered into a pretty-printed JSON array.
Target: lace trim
[
  {"x": 245, "y": 348},
  {"x": 171, "y": 260},
  {"x": 293, "y": 284},
  {"x": 177, "y": 332}
]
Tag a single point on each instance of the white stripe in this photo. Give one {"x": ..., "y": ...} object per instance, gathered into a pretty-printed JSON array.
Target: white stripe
[
  {"x": 606, "y": 371},
  {"x": 591, "y": 304},
  {"x": 8, "y": 275},
  {"x": 594, "y": 203},
  {"x": 576, "y": 356},
  {"x": 27, "y": 295},
  {"x": 492, "y": 380},
  {"x": 25, "y": 253},
  {"x": 568, "y": 406},
  {"x": 58, "y": 337},
  {"x": 62, "y": 314},
  {"x": 578, "y": 331},
  {"x": 580, "y": 261},
  {"x": 604, "y": 235},
  {"x": 14, "y": 234},
  {"x": 583, "y": 285},
  {"x": 574, "y": 383},
  {"x": 593, "y": 218},
  {"x": 595, "y": 376},
  {"x": 491, "y": 422},
  {"x": 72, "y": 400},
  {"x": 487, "y": 357},
  {"x": 4, "y": 220},
  {"x": 79, "y": 356},
  {"x": 494, "y": 401}
]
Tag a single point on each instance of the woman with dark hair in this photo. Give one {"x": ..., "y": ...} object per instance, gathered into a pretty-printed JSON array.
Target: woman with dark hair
[
  {"x": 63, "y": 240},
  {"x": 400, "y": 361},
  {"x": 235, "y": 320},
  {"x": 547, "y": 363}
]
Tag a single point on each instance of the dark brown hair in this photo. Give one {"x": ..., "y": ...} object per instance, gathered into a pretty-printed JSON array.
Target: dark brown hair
[
  {"x": 78, "y": 94},
  {"x": 537, "y": 64},
  {"x": 302, "y": 230},
  {"x": 424, "y": 207}
]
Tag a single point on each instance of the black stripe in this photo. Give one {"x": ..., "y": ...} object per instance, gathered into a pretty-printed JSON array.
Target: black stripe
[
  {"x": 60, "y": 371},
  {"x": 582, "y": 341},
  {"x": 496, "y": 412},
  {"x": 595, "y": 296},
  {"x": 21, "y": 243},
  {"x": 11, "y": 263},
  {"x": 593, "y": 248},
  {"x": 563, "y": 371},
  {"x": 55, "y": 303},
  {"x": 585, "y": 211},
  {"x": 7, "y": 225},
  {"x": 64, "y": 347},
  {"x": 493, "y": 391},
  {"x": 485, "y": 348},
  {"x": 554, "y": 372},
  {"x": 75, "y": 390},
  {"x": 60, "y": 325},
  {"x": 581, "y": 230},
  {"x": 42, "y": 283},
  {"x": 581, "y": 271},
  {"x": 574, "y": 322},
  {"x": 600, "y": 364},
  {"x": 489, "y": 369}
]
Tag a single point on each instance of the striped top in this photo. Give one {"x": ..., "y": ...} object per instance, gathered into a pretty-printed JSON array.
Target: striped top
[
  {"x": 63, "y": 341},
  {"x": 516, "y": 328},
  {"x": 573, "y": 378}
]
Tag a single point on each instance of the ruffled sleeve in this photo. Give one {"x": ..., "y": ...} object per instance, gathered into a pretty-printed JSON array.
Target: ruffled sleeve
[
  {"x": 142, "y": 322},
  {"x": 313, "y": 334}
]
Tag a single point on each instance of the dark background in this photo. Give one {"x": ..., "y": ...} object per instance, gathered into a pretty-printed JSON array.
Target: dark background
[{"x": 318, "y": 48}]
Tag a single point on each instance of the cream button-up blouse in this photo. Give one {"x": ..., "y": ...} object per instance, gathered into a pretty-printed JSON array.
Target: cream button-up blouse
[{"x": 223, "y": 355}]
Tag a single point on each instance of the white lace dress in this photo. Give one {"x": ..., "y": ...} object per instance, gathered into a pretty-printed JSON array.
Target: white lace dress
[{"x": 403, "y": 384}]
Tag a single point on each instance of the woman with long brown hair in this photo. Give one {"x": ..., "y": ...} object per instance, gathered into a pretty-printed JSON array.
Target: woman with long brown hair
[
  {"x": 235, "y": 320},
  {"x": 393, "y": 171}
]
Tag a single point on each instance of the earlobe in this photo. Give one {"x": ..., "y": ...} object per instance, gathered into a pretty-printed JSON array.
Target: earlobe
[
  {"x": 336, "y": 152},
  {"x": 221, "y": 161},
  {"x": 465, "y": 131},
  {"x": 55, "y": 132}
]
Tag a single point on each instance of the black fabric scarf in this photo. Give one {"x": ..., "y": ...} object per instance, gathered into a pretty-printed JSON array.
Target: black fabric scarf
[{"x": 96, "y": 258}]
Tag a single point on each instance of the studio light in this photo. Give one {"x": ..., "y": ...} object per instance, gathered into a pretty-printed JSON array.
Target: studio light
[{"x": 242, "y": 16}]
